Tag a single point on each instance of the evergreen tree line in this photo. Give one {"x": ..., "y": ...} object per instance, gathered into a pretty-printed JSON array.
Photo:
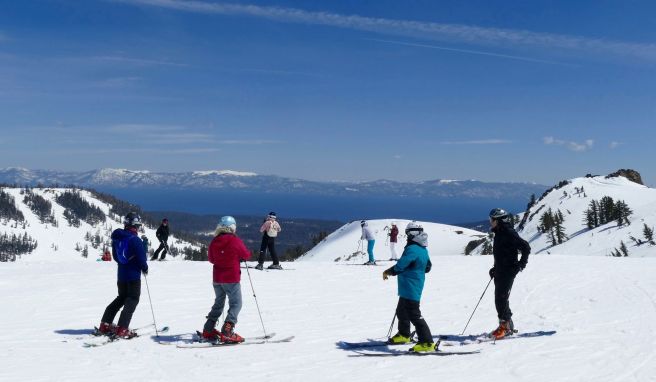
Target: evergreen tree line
[
  {"x": 551, "y": 223},
  {"x": 41, "y": 207},
  {"x": 8, "y": 209},
  {"x": 77, "y": 208},
  {"x": 606, "y": 210},
  {"x": 14, "y": 245}
]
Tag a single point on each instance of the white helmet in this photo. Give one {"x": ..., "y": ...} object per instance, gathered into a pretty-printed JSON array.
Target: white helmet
[{"x": 413, "y": 229}]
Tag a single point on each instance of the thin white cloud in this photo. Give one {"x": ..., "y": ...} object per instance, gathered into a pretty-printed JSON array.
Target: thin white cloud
[
  {"x": 118, "y": 82},
  {"x": 136, "y": 61},
  {"x": 247, "y": 142},
  {"x": 469, "y": 51},
  {"x": 614, "y": 144},
  {"x": 570, "y": 145},
  {"x": 397, "y": 156},
  {"x": 478, "y": 142},
  {"x": 453, "y": 33}
]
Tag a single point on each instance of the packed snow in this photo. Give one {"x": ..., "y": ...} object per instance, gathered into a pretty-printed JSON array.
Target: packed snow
[
  {"x": 603, "y": 310},
  {"x": 344, "y": 244}
]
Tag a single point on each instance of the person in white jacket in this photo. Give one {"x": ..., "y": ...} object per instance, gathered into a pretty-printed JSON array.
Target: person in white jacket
[
  {"x": 368, "y": 235},
  {"x": 270, "y": 230}
]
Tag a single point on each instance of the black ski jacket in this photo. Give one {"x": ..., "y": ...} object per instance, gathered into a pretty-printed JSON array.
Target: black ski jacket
[
  {"x": 162, "y": 233},
  {"x": 506, "y": 245}
]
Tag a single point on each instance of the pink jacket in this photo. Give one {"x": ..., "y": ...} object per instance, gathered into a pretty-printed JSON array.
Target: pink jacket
[{"x": 226, "y": 251}]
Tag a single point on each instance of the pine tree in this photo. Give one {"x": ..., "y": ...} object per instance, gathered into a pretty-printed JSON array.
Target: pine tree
[
  {"x": 559, "y": 230},
  {"x": 606, "y": 210},
  {"x": 625, "y": 251},
  {"x": 649, "y": 234},
  {"x": 622, "y": 213}
]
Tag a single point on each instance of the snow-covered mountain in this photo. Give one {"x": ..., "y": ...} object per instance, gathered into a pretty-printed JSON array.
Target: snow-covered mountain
[
  {"x": 56, "y": 239},
  {"x": 234, "y": 180},
  {"x": 572, "y": 198},
  {"x": 344, "y": 244}
]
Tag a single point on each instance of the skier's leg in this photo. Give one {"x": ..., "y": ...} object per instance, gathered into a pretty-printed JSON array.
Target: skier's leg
[
  {"x": 393, "y": 250},
  {"x": 423, "y": 331},
  {"x": 263, "y": 247},
  {"x": 403, "y": 317},
  {"x": 116, "y": 305},
  {"x": 271, "y": 245},
  {"x": 217, "y": 308},
  {"x": 502, "y": 284},
  {"x": 370, "y": 250},
  {"x": 234, "y": 301},
  {"x": 131, "y": 302},
  {"x": 165, "y": 250},
  {"x": 159, "y": 249}
]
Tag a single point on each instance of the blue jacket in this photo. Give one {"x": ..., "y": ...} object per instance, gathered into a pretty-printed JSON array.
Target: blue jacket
[
  {"x": 135, "y": 253},
  {"x": 411, "y": 270}
]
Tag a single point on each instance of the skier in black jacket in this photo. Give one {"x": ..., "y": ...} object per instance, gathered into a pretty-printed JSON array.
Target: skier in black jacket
[
  {"x": 506, "y": 266},
  {"x": 163, "y": 236}
]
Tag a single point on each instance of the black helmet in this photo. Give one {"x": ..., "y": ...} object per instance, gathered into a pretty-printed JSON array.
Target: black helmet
[
  {"x": 499, "y": 214},
  {"x": 132, "y": 219}
]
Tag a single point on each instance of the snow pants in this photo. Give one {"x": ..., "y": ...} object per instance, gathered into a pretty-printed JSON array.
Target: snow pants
[
  {"x": 223, "y": 290},
  {"x": 162, "y": 248},
  {"x": 370, "y": 250},
  {"x": 407, "y": 311},
  {"x": 128, "y": 299},
  {"x": 270, "y": 244},
  {"x": 393, "y": 250},
  {"x": 503, "y": 282}
]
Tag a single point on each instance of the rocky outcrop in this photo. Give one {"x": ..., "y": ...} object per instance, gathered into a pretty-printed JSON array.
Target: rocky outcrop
[{"x": 629, "y": 174}]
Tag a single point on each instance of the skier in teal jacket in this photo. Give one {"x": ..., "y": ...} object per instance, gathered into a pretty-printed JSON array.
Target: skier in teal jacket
[{"x": 411, "y": 270}]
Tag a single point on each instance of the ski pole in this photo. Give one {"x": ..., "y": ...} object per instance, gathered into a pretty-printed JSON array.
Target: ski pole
[
  {"x": 476, "y": 307},
  {"x": 151, "y": 307},
  {"x": 389, "y": 332},
  {"x": 266, "y": 337}
]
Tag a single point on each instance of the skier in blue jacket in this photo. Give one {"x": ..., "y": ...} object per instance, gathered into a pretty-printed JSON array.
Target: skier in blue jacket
[
  {"x": 128, "y": 251},
  {"x": 411, "y": 270}
]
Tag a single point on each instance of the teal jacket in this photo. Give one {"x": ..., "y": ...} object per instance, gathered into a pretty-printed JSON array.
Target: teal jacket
[{"x": 411, "y": 270}]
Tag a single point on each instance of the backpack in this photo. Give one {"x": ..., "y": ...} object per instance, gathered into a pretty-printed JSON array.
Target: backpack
[
  {"x": 272, "y": 231},
  {"x": 120, "y": 248}
]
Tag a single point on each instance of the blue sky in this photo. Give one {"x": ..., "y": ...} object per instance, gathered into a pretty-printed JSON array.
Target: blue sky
[{"x": 336, "y": 90}]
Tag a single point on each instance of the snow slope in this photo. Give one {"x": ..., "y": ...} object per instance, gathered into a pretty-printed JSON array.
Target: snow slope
[
  {"x": 603, "y": 310},
  {"x": 58, "y": 243},
  {"x": 340, "y": 245},
  {"x": 602, "y": 240}
]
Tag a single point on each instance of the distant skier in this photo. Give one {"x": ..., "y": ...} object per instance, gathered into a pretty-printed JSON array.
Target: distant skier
[
  {"x": 128, "y": 252},
  {"x": 393, "y": 238},
  {"x": 226, "y": 252},
  {"x": 162, "y": 234},
  {"x": 506, "y": 266},
  {"x": 269, "y": 230},
  {"x": 146, "y": 243},
  {"x": 411, "y": 269},
  {"x": 106, "y": 256},
  {"x": 368, "y": 235}
]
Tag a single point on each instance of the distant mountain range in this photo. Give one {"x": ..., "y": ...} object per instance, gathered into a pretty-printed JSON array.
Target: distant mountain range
[{"x": 245, "y": 181}]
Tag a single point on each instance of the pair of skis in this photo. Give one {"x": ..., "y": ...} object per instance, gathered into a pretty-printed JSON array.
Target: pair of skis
[
  {"x": 198, "y": 344},
  {"x": 108, "y": 339},
  {"x": 374, "y": 348}
]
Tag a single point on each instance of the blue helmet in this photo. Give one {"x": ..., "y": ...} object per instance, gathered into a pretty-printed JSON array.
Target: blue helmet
[
  {"x": 227, "y": 221},
  {"x": 132, "y": 219}
]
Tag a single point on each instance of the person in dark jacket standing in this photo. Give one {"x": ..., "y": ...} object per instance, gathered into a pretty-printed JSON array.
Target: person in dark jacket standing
[
  {"x": 507, "y": 244},
  {"x": 411, "y": 269},
  {"x": 128, "y": 252},
  {"x": 163, "y": 236},
  {"x": 269, "y": 230},
  {"x": 226, "y": 252}
]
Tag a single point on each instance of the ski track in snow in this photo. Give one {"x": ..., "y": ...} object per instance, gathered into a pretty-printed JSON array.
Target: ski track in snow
[{"x": 603, "y": 309}]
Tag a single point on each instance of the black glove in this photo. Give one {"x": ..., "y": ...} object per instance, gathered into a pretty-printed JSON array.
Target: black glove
[
  {"x": 521, "y": 266},
  {"x": 145, "y": 271},
  {"x": 491, "y": 272}
]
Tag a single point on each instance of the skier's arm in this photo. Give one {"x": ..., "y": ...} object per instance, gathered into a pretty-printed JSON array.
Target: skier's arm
[
  {"x": 243, "y": 252},
  {"x": 523, "y": 247},
  {"x": 265, "y": 226},
  {"x": 407, "y": 258},
  {"x": 140, "y": 254}
]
